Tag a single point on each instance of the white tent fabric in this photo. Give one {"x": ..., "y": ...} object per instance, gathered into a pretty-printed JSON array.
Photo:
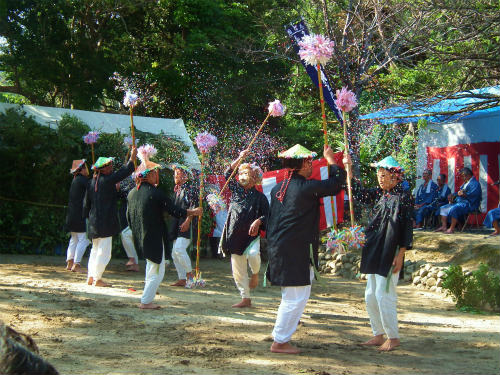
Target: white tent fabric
[{"x": 110, "y": 123}]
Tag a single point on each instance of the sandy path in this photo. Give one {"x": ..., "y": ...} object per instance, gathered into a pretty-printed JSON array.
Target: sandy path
[{"x": 85, "y": 330}]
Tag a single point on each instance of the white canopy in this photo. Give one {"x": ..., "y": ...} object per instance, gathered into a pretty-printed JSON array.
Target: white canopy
[{"x": 110, "y": 123}]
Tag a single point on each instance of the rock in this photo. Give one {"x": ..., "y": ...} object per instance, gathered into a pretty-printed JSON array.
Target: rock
[
  {"x": 321, "y": 256},
  {"x": 439, "y": 289},
  {"x": 333, "y": 271},
  {"x": 322, "y": 262},
  {"x": 327, "y": 269},
  {"x": 427, "y": 267},
  {"x": 416, "y": 280},
  {"x": 441, "y": 274},
  {"x": 433, "y": 288},
  {"x": 423, "y": 272},
  {"x": 431, "y": 281},
  {"x": 439, "y": 282},
  {"x": 328, "y": 256},
  {"x": 407, "y": 277},
  {"x": 347, "y": 266},
  {"x": 330, "y": 264},
  {"x": 421, "y": 286}
]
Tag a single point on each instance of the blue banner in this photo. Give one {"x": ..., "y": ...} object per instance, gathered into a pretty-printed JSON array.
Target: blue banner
[{"x": 296, "y": 33}]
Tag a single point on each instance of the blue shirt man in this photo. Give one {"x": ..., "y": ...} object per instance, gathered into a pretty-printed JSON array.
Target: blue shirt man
[{"x": 426, "y": 194}]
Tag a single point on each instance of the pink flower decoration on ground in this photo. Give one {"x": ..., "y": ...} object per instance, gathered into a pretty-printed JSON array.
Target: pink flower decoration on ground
[
  {"x": 205, "y": 141},
  {"x": 276, "y": 109},
  {"x": 130, "y": 99},
  {"x": 127, "y": 141},
  {"x": 91, "y": 138},
  {"x": 346, "y": 100},
  {"x": 146, "y": 151},
  {"x": 315, "y": 49}
]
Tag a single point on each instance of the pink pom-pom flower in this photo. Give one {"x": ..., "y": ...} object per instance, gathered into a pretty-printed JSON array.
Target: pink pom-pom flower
[
  {"x": 146, "y": 151},
  {"x": 130, "y": 99},
  {"x": 346, "y": 100},
  {"x": 336, "y": 241},
  {"x": 315, "y": 49},
  {"x": 216, "y": 203},
  {"x": 276, "y": 109},
  {"x": 91, "y": 138},
  {"x": 205, "y": 141},
  {"x": 127, "y": 141}
]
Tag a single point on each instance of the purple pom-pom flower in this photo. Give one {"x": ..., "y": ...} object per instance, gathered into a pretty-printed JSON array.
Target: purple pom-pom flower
[
  {"x": 130, "y": 99},
  {"x": 146, "y": 151},
  {"x": 315, "y": 49},
  {"x": 205, "y": 141},
  {"x": 127, "y": 141},
  {"x": 91, "y": 137},
  {"x": 216, "y": 203},
  {"x": 276, "y": 109},
  {"x": 346, "y": 100}
]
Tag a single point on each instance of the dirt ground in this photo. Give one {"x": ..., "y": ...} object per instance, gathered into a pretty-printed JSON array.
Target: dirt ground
[{"x": 86, "y": 330}]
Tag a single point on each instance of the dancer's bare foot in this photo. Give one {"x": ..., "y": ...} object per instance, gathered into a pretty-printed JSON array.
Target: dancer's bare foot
[
  {"x": 133, "y": 267},
  {"x": 69, "y": 264},
  {"x": 440, "y": 229},
  {"x": 149, "y": 306},
  {"x": 495, "y": 233},
  {"x": 254, "y": 281},
  {"x": 374, "y": 341},
  {"x": 389, "y": 345},
  {"x": 449, "y": 231},
  {"x": 77, "y": 268},
  {"x": 285, "y": 348},
  {"x": 131, "y": 261},
  {"x": 245, "y": 302},
  {"x": 102, "y": 284},
  {"x": 181, "y": 282},
  {"x": 90, "y": 280}
]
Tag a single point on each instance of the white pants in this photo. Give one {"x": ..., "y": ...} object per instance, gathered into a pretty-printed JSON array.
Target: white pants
[
  {"x": 77, "y": 245},
  {"x": 128, "y": 244},
  {"x": 381, "y": 305},
  {"x": 293, "y": 303},
  {"x": 181, "y": 259},
  {"x": 240, "y": 269},
  {"x": 154, "y": 276},
  {"x": 100, "y": 255},
  {"x": 445, "y": 210}
]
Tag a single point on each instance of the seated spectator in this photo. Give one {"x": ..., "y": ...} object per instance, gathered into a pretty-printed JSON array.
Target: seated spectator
[
  {"x": 442, "y": 193},
  {"x": 492, "y": 220},
  {"x": 426, "y": 194},
  {"x": 466, "y": 200}
]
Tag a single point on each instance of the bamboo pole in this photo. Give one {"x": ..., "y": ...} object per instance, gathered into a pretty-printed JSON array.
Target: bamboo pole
[
  {"x": 325, "y": 135},
  {"x": 249, "y": 146},
  {"x": 132, "y": 131},
  {"x": 198, "y": 240},
  {"x": 349, "y": 188}
]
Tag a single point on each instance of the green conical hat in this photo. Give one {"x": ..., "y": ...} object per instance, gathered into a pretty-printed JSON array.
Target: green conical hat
[
  {"x": 297, "y": 152},
  {"x": 102, "y": 162},
  {"x": 388, "y": 163}
]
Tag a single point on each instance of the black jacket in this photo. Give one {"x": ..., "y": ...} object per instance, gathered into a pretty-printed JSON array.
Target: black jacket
[
  {"x": 389, "y": 228},
  {"x": 186, "y": 197},
  {"x": 293, "y": 227},
  {"x": 100, "y": 206},
  {"x": 75, "y": 220},
  {"x": 146, "y": 207},
  {"x": 246, "y": 207}
]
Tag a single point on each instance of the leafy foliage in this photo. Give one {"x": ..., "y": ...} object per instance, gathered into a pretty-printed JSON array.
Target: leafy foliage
[
  {"x": 473, "y": 290},
  {"x": 38, "y": 160}
]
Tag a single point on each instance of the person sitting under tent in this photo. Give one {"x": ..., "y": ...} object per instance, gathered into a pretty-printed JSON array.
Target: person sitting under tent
[
  {"x": 492, "y": 219},
  {"x": 466, "y": 200},
  {"x": 442, "y": 193},
  {"x": 426, "y": 194}
]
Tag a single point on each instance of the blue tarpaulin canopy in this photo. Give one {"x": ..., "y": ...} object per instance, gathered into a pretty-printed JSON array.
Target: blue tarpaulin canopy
[{"x": 442, "y": 111}]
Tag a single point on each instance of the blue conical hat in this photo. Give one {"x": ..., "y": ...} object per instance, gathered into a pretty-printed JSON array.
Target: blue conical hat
[{"x": 388, "y": 163}]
